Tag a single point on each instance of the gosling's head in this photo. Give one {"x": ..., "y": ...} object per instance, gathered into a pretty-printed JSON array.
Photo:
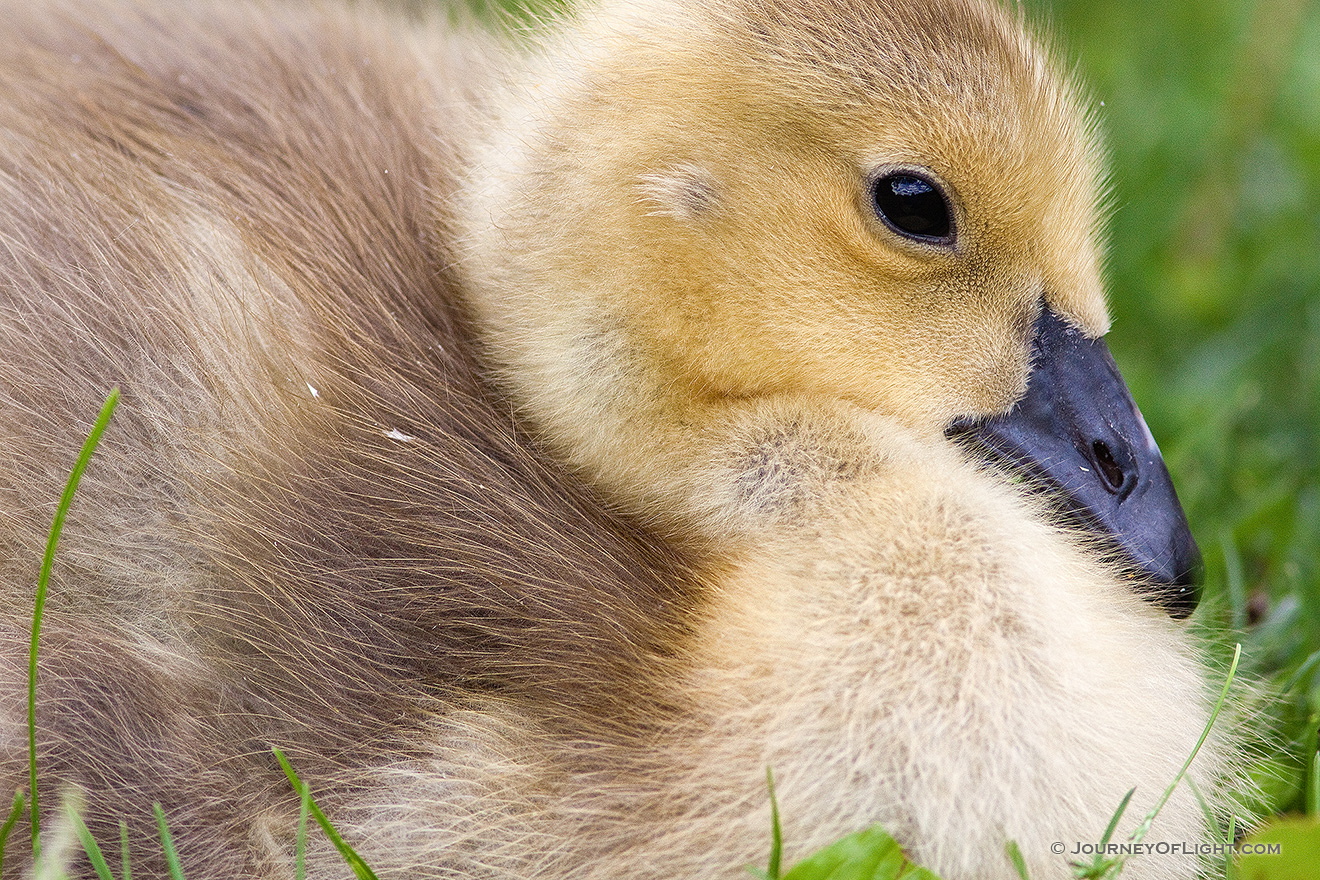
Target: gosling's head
[
  {"x": 892, "y": 203},
  {"x": 869, "y": 201}
]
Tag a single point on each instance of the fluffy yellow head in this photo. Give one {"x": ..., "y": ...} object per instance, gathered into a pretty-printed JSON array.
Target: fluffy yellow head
[{"x": 712, "y": 171}]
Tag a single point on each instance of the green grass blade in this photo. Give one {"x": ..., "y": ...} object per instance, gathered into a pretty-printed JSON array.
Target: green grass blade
[
  {"x": 1112, "y": 868},
  {"x": 123, "y": 850},
  {"x": 776, "y": 836},
  {"x": 300, "y": 846},
  {"x": 89, "y": 845},
  {"x": 39, "y": 605},
  {"x": 1230, "y": 866},
  {"x": 1205, "y": 734},
  {"x": 1212, "y": 822},
  {"x": 1301, "y": 672},
  {"x": 1015, "y": 856},
  {"x": 167, "y": 844},
  {"x": 360, "y": 868},
  {"x": 15, "y": 813},
  {"x": 1117, "y": 817},
  {"x": 1234, "y": 581},
  {"x": 1313, "y": 786},
  {"x": 1109, "y": 868}
]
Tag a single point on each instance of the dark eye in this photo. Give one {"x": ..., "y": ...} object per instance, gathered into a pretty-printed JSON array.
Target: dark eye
[{"x": 913, "y": 206}]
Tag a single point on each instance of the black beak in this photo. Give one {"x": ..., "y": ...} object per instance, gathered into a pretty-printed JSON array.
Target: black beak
[{"x": 1078, "y": 435}]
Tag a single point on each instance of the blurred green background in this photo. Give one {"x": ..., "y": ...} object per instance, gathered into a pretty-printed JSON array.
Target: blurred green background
[{"x": 1211, "y": 109}]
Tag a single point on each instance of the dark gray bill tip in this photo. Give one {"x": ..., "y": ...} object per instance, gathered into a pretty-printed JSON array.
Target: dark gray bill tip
[{"x": 1078, "y": 436}]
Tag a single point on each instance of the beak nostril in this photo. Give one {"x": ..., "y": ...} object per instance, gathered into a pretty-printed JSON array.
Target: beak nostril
[{"x": 1111, "y": 470}]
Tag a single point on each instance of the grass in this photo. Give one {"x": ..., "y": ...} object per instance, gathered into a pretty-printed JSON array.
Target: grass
[
  {"x": 355, "y": 862},
  {"x": 39, "y": 605}
]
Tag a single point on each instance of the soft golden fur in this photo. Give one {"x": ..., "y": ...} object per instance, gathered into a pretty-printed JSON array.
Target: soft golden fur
[{"x": 538, "y": 444}]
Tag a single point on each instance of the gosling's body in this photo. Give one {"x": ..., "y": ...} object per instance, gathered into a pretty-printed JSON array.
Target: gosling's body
[{"x": 497, "y": 441}]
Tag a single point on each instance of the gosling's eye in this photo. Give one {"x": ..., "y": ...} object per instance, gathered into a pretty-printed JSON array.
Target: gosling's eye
[{"x": 914, "y": 207}]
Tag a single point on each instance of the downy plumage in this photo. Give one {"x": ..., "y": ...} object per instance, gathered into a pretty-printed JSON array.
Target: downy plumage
[{"x": 539, "y": 443}]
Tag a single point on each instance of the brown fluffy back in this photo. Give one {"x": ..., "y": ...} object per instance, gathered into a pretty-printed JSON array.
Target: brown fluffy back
[{"x": 312, "y": 523}]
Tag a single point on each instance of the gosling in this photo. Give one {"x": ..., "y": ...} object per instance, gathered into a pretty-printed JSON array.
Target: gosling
[{"x": 538, "y": 444}]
